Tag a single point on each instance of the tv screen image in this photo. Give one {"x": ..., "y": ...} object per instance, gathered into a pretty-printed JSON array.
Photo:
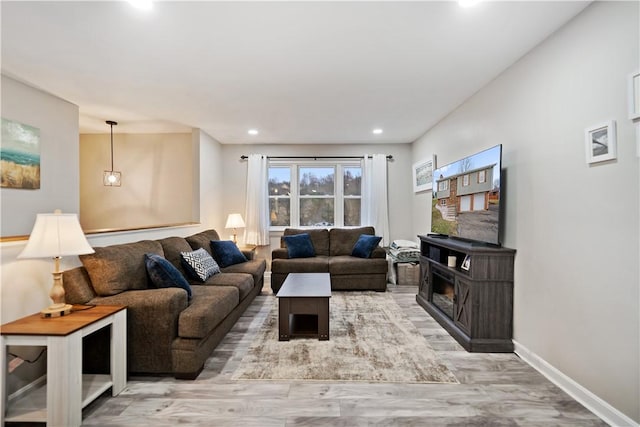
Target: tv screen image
[{"x": 466, "y": 197}]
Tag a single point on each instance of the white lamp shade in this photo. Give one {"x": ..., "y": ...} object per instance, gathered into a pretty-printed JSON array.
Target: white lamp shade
[
  {"x": 56, "y": 235},
  {"x": 234, "y": 221}
]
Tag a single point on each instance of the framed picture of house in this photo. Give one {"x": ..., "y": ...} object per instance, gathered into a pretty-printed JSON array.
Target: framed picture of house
[
  {"x": 423, "y": 174},
  {"x": 600, "y": 142},
  {"x": 634, "y": 95}
]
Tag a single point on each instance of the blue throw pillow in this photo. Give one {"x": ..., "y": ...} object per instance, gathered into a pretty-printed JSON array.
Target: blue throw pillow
[
  {"x": 226, "y": 253},
  {"x": 299, "y": 245},
  {"x": 199, "y": 264},
  {"x": 163, "y": 274},
  {"x": 365, "y": 245}
]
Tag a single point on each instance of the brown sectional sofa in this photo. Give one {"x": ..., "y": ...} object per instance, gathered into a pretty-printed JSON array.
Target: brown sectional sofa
[
  {"x": 166, "y": 333},
  {"x": 333, "y": 255}
]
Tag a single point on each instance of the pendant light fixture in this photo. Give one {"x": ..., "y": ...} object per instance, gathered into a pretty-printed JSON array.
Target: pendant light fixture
[{"x": 111, "y": 178}]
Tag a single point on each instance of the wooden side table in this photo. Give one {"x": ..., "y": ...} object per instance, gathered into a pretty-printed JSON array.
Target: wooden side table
[{"x": 67, "y": 389}]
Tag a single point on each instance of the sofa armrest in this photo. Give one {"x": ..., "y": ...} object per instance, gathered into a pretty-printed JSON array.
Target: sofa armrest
[
  {"x": 378, "y": 252},
  {"x": 280, "y": 253},
  {"x": 152, "y": 325},
  {"x": 249, "y": 255}
]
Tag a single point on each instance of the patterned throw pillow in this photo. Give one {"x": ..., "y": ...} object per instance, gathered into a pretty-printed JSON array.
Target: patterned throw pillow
[
  {"x": 365, "y": 245},
  {"x": 226, "y": 253},
  {"x": 163, "y": 274},
  {"x": 199, "y": 264}
]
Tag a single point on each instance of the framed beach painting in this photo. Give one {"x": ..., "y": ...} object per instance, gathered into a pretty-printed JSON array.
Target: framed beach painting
[
  {"x": 423, "y": 174},
  {"x": 20, "y": 155}
]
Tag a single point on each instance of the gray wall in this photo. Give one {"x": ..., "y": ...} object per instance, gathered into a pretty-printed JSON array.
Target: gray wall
[{"x": 574, "y": 226}]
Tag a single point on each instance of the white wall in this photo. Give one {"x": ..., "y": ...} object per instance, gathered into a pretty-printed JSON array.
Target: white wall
[
  {"x": 157, "y": 184},
  {"x": 574, "y": 226},
  {"x": 398, "y": 175}
]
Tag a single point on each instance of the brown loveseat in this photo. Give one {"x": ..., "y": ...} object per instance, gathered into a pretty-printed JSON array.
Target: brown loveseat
[
  {"x": 166, "y": 333},
  {"x": 333, "y": 255}
]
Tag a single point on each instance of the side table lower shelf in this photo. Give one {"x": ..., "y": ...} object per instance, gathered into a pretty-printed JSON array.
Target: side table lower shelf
[{"x": 31, "y": 407}]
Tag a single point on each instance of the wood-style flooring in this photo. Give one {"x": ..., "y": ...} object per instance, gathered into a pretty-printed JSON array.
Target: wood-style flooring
[{"x": 495, "y": 390}]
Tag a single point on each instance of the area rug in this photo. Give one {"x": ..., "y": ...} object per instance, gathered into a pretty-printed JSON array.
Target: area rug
[{"x": 370, "y": 340}]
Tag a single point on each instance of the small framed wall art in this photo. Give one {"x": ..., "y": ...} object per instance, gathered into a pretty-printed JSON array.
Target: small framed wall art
[
  {"x": 423, "y": 174},
  {"x": 600, "y": 142}
]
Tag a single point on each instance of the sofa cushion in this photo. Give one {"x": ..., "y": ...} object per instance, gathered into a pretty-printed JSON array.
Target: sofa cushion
[
  {"x": 317, "y": 264},
  {"x": 164, "y": 275},
  {"x": 172, "y": 246},
  {"x": 346, "y": 264},
  {"x": 365, "y": 245},
  {"x": 203, "y": 240},
  {"x": 299, "y": 246},
  {"x": 209, "y": 306},
  {"x": 319, "y": 238},
  {"x": 118, "y": 268},
  {"x": 226, "y": 253},
  {"x": 342, "y": 240},
  {"x": 241, "y": 281},
  {"x": 77, "y": 286},
  {"x": 199, "y": 264},
  {"x": 255, "y": 267}
]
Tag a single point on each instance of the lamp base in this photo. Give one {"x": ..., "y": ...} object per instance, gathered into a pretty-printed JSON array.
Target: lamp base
[{"x": 56, "y": 310}]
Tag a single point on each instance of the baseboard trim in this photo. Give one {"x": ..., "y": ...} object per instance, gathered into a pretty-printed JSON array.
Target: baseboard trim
[
  {"x": 27, "y": 388},
  {"x": 602, "y": 409}
]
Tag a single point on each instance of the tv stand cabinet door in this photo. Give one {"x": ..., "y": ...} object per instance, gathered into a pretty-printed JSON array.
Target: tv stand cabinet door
[
  {"x": 462, "y": 308},
  {"x": 424, "y": 287}
]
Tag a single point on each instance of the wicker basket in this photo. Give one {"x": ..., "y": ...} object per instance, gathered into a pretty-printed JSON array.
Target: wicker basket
[{"x": 408, "y": 274}]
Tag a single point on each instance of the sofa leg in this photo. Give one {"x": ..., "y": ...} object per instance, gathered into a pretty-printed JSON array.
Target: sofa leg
[{"x": 188, "y": 375}]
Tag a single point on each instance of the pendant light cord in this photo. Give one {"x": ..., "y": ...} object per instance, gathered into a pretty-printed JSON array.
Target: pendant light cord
[{"x": 111, "y": 123}]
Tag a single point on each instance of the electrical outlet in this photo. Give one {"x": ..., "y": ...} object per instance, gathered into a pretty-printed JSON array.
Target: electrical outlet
[{"x": 14, "y": 363}]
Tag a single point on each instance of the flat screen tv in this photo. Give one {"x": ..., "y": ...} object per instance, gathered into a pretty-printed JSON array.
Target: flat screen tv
[{"x": 466, "y": 198}]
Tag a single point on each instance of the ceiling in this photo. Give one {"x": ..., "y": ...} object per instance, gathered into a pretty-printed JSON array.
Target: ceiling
[{"x": 298, "y": 72}]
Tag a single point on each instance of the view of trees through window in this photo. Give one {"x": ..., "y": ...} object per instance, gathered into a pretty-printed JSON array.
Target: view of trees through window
[{"x": 322, "y": 196}]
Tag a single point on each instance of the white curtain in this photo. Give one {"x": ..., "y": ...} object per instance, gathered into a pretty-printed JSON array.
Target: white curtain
[
  {"x": 374, "y": 205},
  {"x": 256, "y": 231}
]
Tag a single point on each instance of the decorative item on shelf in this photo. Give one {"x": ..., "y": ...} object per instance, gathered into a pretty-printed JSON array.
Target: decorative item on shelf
[
  {"x": 235, "y": 221},
  {"x": 423, "y": 174},
  {"x": 600, "y": 142},
  {"x": 451, "y": 261},
  {"x": 54, "y": 236},
  {"x": 111, "y": 178},
  {"x": 466, "y": 264}
]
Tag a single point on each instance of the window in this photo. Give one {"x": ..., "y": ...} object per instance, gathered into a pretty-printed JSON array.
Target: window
[
  {"x": 280, "y": 196},
  {"x": 314, "y": 195},
  {"x": 465, "y": 180},
  {"x": 443, "y": 185},
  {"x": 482, "y": 177}
]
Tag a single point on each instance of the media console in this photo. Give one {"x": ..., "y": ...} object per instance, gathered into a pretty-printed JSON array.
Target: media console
[{"x": 473, "y": 301}]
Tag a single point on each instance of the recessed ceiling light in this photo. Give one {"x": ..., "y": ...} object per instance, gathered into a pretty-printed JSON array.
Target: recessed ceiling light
[
  {"x": 141, "y": 4},
  {"x": 468, "y": 3},
  {"x": 252, "y": 131},
  {"x": 377, "y": 131}
]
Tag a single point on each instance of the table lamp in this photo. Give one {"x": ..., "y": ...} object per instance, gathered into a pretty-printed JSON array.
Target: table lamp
[
  {"x": 234, "y": 221},
  {"x": 54, "y": 236}
]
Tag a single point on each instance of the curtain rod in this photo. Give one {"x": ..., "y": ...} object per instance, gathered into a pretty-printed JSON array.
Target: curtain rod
[{"x": 243, "y": 157}]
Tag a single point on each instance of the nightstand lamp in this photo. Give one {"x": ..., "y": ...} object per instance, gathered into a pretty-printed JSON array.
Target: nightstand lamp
[
  {"x": 235, "y": 221},
  {"x": 54, "y": 236}
]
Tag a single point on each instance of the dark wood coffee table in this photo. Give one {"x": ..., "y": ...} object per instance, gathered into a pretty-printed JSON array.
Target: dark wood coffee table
[{"x": 303, "y": 306}]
